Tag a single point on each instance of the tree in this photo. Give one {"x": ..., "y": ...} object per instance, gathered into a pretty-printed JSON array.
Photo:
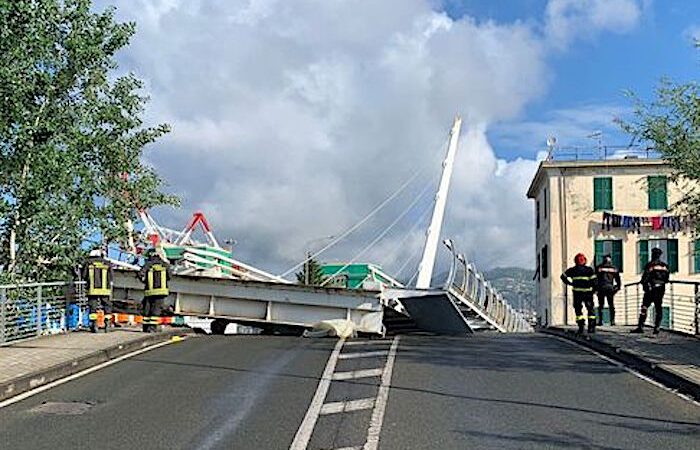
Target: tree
[
  {"x": 315, "y": 274},
  {"x": 71, "y": 136},
  {"x": 670, "y": 124}
]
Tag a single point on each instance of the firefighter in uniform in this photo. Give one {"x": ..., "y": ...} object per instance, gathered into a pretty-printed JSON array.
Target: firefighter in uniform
[
  {"x": 653, "y": 282},
  {"x": 582, "y": 279},
  {"x": 98, "y": 274},
  {"x": 608, "y": 285},
  {"x": 156, "y": 276}
]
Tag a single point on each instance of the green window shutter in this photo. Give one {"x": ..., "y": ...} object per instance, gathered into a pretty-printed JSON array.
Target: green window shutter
[
  {"x": 696, "y": 256},
  {"x": 602, "y": 193},
  {"x": 672, "y": 248},
  {"x": 643, "y": 252},
  {"x": 617, "y": 254},
  {"x": 599, "y": 252},
  {"x": 658, "y": 195}
]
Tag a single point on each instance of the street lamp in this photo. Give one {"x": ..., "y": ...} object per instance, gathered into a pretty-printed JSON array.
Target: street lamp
[{"x": 450, "y": 246}]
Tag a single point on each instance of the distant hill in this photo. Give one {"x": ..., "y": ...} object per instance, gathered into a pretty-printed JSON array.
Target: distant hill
[{"x": 515, "y": 284}]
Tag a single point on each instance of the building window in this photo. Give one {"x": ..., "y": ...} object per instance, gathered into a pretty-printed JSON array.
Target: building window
[
  {"x": 658, "y": 196},
  {"x": 545, "y": 262},
  {"x": 612, "y": 247},
  {"x": 537, "y": 213},
  {"x": 696, "y": 257},
  {"x": 602, "y": 193},
  {"x": 544, "y": 203},
  {"x": 669, "y": 247}
]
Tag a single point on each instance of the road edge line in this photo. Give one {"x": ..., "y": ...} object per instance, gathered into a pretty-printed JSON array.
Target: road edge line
[
  {"x": 637, "y": 366},
  {"x": 57, "y": 382}
]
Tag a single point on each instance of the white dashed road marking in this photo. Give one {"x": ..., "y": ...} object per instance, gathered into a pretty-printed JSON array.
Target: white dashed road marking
[
  {"x": 362, "y": 355},
  {"x": 377, "y": 404},
  {"x": 349, "y": 406},
  {"x": 358, "y": 374}
]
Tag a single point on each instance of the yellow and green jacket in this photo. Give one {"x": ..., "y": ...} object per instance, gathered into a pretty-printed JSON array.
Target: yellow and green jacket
[{"x": 156, "y": 278}]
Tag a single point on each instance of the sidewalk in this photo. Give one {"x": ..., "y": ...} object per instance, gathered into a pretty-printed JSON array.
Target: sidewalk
[
  {"x": 32, "y": 363},
  {"x": 671, "y": 358}
]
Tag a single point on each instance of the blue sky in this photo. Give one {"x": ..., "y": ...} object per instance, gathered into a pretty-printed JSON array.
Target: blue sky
[{"x": 596, "y": 72}]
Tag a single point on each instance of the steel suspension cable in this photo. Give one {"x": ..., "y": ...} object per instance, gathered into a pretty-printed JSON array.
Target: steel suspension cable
[
  {"x": 371, "y": 214},
  {"x": 381, "y": 235}
]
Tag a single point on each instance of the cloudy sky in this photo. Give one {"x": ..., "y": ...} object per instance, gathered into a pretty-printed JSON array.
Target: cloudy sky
[{"x": 292, "y": 119}]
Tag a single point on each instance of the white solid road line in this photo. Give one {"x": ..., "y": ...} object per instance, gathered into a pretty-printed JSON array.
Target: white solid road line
[
  {"x": 347, "y": 406},
  {"x": 82, "y": 373},
  {"x": 366, "y": 373},
  {"x": 303, "y": 436},
  {"x": 362, "y": 354},
  {"x": 629, "y": 369},
  {"x": 377, "y": 419}
]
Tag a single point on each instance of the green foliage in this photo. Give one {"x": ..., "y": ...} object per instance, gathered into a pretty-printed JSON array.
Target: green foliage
[
  {"x": 316, "y": 276},
  {"x": 71, "y": 136},
  {"x": 670, "y": 124}
]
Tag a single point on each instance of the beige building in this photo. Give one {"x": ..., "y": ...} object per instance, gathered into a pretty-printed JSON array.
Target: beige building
[{"x": 619, "y": 207}]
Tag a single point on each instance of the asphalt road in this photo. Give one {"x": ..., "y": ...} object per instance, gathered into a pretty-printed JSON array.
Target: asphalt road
[{"x": 488, "y": 391}]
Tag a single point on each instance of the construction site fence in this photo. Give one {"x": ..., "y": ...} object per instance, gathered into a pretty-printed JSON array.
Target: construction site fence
[
  {"x": 472, "y": 285},
  {"x": 37, "y": 309},
  {"x": 680, "y": 310}
]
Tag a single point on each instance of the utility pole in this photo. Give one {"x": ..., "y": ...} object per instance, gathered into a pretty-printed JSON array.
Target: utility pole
[{"x": 425, "y": 271}]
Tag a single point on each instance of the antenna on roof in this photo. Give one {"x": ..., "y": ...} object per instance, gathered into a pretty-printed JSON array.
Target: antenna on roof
[{"x": 551, "y": 144}]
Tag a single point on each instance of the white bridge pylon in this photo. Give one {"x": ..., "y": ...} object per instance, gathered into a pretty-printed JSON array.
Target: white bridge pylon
[{"x": 425, "y": 269}]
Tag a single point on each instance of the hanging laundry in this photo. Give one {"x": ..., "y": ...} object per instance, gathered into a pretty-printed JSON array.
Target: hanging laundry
[
  {"x": 606, "y": 220},
  {"x": 637, "y": 224},
  {"x": 675, "y": 223},
  {"x": 626, "y": 221},
  {"x": 656, "y": 223},
  {"x": 616, "y": 221}
]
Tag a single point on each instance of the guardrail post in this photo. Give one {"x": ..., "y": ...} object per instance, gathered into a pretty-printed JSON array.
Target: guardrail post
[
  {"x": 697, "y": 308},
  {"x": 3, "y": 307},
  {"x": 670, "y": 312},
  {"x": 38, "y": 311},
  {"x": 637, "y": 305},
  {"x": 624, "y": 296}
]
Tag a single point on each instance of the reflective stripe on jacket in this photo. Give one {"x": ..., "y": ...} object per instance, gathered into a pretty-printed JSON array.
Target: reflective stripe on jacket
[
  {"x": 583, "y": 278},
  {"x": 98, "y": 279},
  {"x": 156, "y": 281}
]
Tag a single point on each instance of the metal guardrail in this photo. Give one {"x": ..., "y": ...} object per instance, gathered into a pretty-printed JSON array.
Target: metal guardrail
[
  {"x": 471, "y": 288},
  {"x": 36, "y": 309},
  {"x": 600, "y": 153},
  {"x": 680, "y": 309}
]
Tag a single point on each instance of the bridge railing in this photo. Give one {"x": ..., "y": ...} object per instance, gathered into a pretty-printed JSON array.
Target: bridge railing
[
  {"x": 680, "y": 308},
  {"x": 36, "y": 309},
  {"x": 471, "y": 287}
]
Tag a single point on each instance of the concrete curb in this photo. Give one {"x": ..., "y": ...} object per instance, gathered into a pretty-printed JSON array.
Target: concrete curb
[
  {"x": 11, "y": 388},
  {"x": 645, "y": 367}
]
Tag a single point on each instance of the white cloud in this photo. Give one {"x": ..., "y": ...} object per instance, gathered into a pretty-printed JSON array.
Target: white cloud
[
  {"x": 565, "y": 20},
  {"x": 569, "y": 126},
  {"x": 692, "y": 33},
  {"x": 292, "y": 119}
]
